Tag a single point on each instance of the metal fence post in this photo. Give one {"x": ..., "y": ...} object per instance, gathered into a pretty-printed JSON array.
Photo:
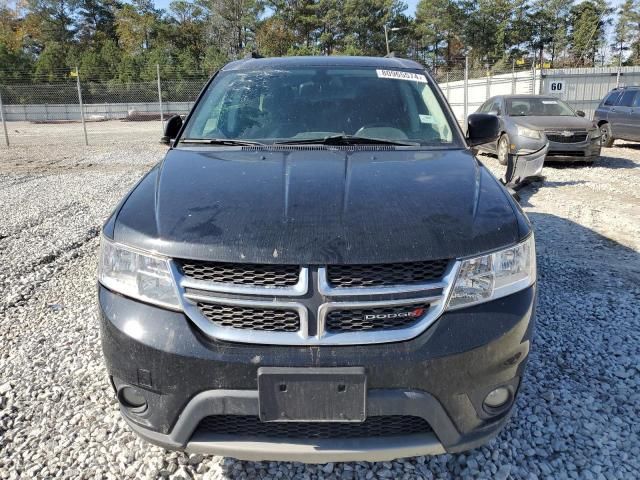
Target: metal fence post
[
  {"x": 513, "y": 77},
  {"x": 466, "y": 87},
  {"x": 533, "y": 78},
  {"x": 4, "y": 122},
  {"x": 488, "y": 92},
  {"x": 540, "y": 74},
  {"x": 448, "y": 86},
  {"x": 160, "y": 99},
  {"x": 84, "y": 125}
]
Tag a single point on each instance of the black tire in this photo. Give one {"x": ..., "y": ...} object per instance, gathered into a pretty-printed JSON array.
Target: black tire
[
  {"x": 606, "y": 139},
  {"x": 503, "y": 142}
]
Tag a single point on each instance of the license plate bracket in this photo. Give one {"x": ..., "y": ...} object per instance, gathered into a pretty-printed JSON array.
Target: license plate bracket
[{"x": 336, "y": 394}]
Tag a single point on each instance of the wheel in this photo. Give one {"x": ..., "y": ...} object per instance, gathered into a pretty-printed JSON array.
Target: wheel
[
  {"x": 606, "y": 139},
  {"x": 503, "y": 149}
]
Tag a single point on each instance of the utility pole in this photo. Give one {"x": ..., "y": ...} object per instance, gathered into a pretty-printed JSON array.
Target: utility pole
[
  {"x": 386, "y": 35},
  {"x": 386, "y": 38}
]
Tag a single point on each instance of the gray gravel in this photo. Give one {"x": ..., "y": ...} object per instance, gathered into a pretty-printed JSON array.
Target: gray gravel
[{"x": 577, "y": 416}]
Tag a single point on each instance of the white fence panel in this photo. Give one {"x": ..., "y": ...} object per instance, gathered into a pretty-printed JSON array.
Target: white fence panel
[{"x": 584, "y": 88}]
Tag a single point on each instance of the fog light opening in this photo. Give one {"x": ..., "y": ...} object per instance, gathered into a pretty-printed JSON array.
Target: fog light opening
[
  {"x": 133, "y": 399},
  {"x": 497, "y": 398}
]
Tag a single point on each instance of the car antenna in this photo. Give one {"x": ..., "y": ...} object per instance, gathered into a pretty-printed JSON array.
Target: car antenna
[
  {"x": 253, "y": 55},
  {"x": 390, "y": 55}
]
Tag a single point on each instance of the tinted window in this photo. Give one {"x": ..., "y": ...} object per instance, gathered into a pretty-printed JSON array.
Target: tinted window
[
  {"x": 315, "y": 102},
  {"x": 611, "y": 98},
  {"x": 626, "y": 100}
]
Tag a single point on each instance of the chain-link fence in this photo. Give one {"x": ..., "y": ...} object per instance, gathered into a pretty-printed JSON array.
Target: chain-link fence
[
  {"x": 93, "y": 112},
  {"x": 98, "y": 112},
  {"x": 467, "y": 88}
]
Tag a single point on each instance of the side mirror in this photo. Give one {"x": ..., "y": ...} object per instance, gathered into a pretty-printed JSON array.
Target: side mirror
[
  {"x": 580, "y": 113},
  {"x": 171, "y": 129},
  {"x": 482, "y": 128}
]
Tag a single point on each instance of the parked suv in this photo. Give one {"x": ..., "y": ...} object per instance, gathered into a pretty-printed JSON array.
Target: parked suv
[
  {"x": 618, "y": 115},
  {"x": 318, "y": 270}
]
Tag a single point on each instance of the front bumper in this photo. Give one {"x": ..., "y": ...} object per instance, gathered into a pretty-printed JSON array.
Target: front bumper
[
  {"x": 441, "y": 376},
  {"x": 588, "y": 151}
]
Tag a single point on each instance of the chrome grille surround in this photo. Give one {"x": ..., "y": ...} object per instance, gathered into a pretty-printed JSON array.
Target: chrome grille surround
[{"x": 319, "y": 299}]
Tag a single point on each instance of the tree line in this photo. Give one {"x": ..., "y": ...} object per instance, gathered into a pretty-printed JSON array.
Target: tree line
[{"x": 113, "y": 40}]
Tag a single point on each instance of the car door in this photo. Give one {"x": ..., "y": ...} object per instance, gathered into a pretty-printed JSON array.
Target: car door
[
  {"x": 620, "y": 115},
  {"x": 634, "y": 118},
  {"x": 495, "y": 108},
  {"x": 485, "y": 108}
]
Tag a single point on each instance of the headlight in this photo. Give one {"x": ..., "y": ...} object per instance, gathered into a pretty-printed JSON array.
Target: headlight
[
  {"x": 528, "y": 132},
  {"x": 136, "y": 274},
  {"x": 495, "y": 275}
]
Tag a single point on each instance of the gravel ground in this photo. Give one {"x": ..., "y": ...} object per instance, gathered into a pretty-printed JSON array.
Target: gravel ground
[
  {"x": 577, "y": 415},
  {"x": 64, "y": 133}
]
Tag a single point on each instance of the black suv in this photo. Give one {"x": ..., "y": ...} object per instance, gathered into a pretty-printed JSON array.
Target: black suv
[
  {"x": 318, "y": 270},
  {"x": 618, "y": 115}
]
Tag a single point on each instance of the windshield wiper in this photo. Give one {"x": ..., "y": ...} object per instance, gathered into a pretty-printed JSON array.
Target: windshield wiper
[
  {"x": 220, "y": 141},
  {"x": 346, "y": 140}
]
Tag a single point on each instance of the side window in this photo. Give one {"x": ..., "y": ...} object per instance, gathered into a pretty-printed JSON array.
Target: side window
[
  {"x": 636, "y": 102},
  {"x": 626, "y": 100},
  {"x": 485, "y": 107},
  {"x": 495, "y": 107},
  {"x": 611, "y": 98}
]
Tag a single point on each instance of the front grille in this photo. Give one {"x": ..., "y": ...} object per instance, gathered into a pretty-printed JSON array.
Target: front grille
[
  {"x": 251, "y": 426},
  {"x": 389, "y": 274},
  {"x": 387, "y": 318},
  {"x": 250, "y": 318},
  {"x": 565, "y": 153},
  {"x": 577, "y": 137},
  {"x": 241, "y": 274}
]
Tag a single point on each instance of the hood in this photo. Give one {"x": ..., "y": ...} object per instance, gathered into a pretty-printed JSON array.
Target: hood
[
  {"x": 314, "y": 207},
  {"x": 548, "y": 122}
]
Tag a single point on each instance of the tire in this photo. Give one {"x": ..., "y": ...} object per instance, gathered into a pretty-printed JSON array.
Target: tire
[
  {"x": 502, "y": 149},
  {"x": 606, "y": 139}
]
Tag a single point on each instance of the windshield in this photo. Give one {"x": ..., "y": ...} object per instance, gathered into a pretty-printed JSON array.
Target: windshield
[
  {"x": 544, "y": 107},
  {"x": 295, "y": 104}
]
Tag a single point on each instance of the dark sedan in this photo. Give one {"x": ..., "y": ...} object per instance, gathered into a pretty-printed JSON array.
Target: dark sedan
[{"x": 527, "y": 122}]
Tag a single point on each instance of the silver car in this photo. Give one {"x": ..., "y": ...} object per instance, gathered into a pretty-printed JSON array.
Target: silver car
[{"x": 529, "y": 122}]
